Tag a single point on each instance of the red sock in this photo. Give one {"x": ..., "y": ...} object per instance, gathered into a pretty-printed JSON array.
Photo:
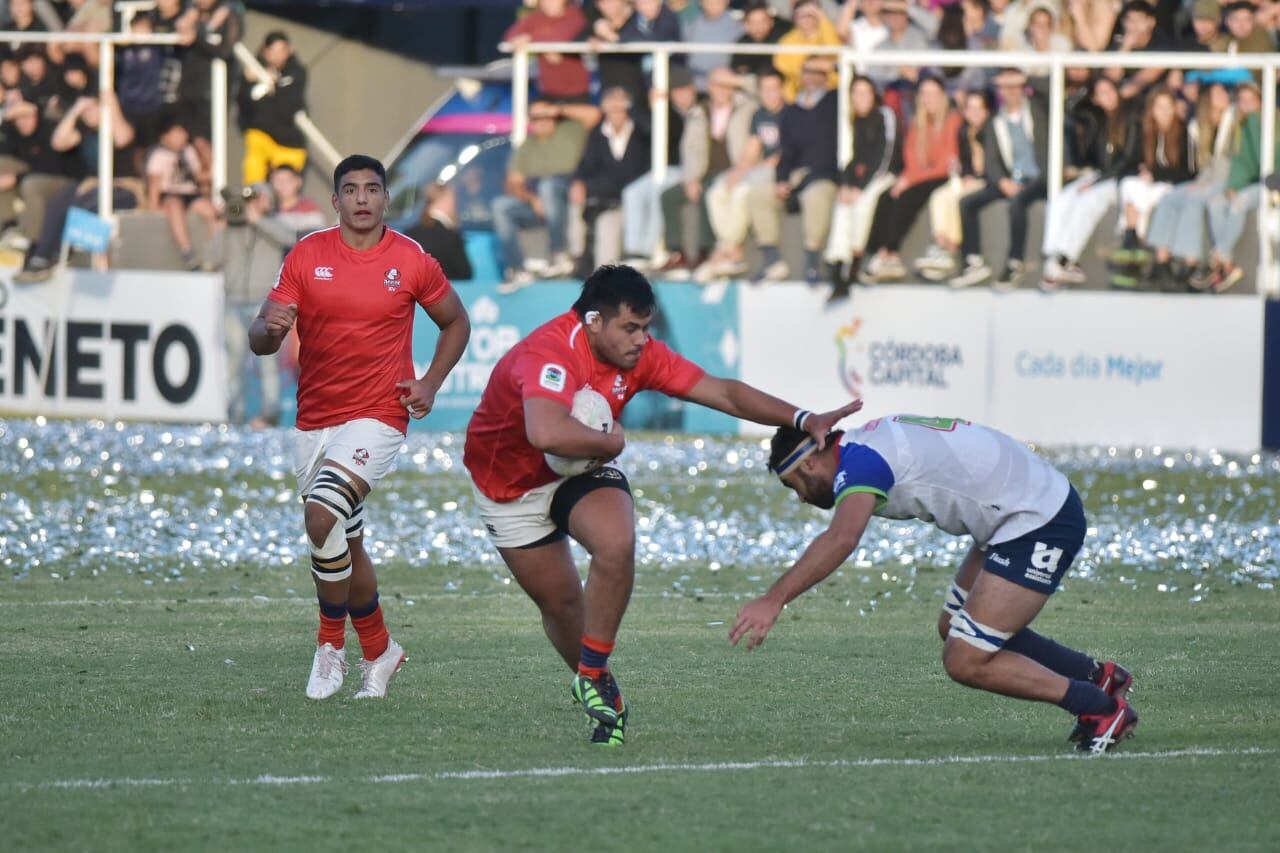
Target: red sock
[
  {"x": 594, "y": 659},
  {"x": 333, "y": 625},
  {"x": 372, "y": 632}
]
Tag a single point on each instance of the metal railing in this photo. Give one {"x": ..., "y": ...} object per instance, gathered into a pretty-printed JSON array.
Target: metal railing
[{"x": 847, "y": 58}]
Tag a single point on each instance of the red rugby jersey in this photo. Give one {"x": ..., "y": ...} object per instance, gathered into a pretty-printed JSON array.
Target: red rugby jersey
[
  {"x": 555, "y": 361},
  {"x": 355, "y": 324}
]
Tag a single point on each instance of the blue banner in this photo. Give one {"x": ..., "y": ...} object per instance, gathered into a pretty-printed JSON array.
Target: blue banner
[
  {"x": 698, "y": 322},
  {"x": 84, "y": 230}
]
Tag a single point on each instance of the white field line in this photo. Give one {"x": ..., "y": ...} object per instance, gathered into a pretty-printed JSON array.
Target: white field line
[
  {"x": 197, "y": 600},
  {"x": 269, "y": 780}
]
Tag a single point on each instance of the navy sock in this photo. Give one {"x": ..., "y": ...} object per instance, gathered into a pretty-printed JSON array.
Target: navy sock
[
  {"x": 333, "y": 611},
  {"x": 1084, "y": 697},
  {"x": 1049, "y": 654},
  {"x": 366, "y": 610},
  {"x": 811, "y": 259},
  {"x": 768, "y": 255}
]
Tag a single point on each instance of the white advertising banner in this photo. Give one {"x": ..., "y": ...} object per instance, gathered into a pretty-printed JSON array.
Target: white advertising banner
[
  {"x": 901, "y": 349},
  {"x": 1128, "y": 369},
  {"x": 1063, "y": 368},
  {"x": 124, "y": 344}
]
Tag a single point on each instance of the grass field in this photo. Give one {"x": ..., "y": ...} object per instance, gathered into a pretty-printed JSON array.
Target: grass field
[{"x": 153, "y": 677}]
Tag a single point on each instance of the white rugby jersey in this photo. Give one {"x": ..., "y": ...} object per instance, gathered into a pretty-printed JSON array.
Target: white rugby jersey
[{"x": 963, "y": 477}]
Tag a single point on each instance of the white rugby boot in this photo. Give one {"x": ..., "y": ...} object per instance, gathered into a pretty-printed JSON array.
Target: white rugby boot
[
  {"x": 378, "y": 672},
  {"x": 327, "y": 671}
]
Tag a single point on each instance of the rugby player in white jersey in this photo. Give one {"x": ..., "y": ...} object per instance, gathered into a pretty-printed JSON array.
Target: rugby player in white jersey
[{"x": 1027, "y": 523}]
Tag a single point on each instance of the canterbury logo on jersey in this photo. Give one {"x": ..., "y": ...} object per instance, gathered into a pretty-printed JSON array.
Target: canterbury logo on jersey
[{"x": 324, "y": 273}]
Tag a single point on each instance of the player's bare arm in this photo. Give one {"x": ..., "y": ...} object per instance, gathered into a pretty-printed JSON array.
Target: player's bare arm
[
  {"x": 451, "y": 319},
  {"x": 824, "y": 554},
  {"x": 751, "y": 404},
  {"x": 552, "y": 429},
  {"x": 270, "y": 327}
]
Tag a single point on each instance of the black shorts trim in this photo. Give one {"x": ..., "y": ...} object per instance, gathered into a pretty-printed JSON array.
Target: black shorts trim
[
  {"x": 576, "y": 488},
  {"x": 553, "y": 536}
]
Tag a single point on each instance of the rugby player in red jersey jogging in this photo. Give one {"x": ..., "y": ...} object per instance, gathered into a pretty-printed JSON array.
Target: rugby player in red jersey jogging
[
  {"x": 352, "y": 292},
  {"x": 528, "y": 510}
]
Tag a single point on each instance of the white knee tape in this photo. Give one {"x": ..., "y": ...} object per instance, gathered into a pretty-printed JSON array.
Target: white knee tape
[
  {"x": 332, "y": 489},
  {"x": 984, "y": 637},
  {"x": 334, "y": 545},
  {"x": 355, "y": 524},
  {"x": 955, "y": 600}
]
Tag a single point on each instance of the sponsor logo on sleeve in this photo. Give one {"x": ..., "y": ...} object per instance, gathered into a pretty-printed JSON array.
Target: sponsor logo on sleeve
[{"x": 552, "y": 378}]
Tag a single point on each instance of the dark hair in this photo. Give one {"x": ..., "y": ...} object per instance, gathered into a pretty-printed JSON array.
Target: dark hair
[
  {"x": 275, "y": 36},
  {"x": 757, "y": 6},
  {"x": 770, "y": 72},
  {"x": 355, "y": 163},
  {"x": 610, "y": 287},
  {"x": 1136, "y": 6},
  {"x": 786, "y": 440}
]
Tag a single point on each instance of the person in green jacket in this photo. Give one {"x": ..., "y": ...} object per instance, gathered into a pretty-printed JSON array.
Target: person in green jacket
[{"x": 1228, "y": 212}]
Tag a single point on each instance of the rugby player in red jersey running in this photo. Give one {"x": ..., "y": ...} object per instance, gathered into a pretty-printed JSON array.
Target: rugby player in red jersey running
[
  {"x": 602, "y": 343},
  {"x": 352, "y": 291}
]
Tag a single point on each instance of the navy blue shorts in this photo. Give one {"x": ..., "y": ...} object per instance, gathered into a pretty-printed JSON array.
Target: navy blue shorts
[{"x": 1038, "y": 560}]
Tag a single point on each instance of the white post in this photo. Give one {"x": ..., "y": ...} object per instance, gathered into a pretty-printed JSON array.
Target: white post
[
  {"x": 519, "y": 96},
  {"x": 106, "y": 142},
  {"x": 1057, "y": 126},
  {"x": 844, "y": 112},
  {"x": 1268, "y": 283},
  {"x": 659, "y": 129},
  {"x": 219, "y": 126}
]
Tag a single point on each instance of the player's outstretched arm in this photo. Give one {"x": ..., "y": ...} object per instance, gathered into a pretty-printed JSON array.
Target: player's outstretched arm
[
  {"x": 824, "y": 554},
  {"x": 268, "y": 329},
  {"x": 451, "y": 318},
  {"x": 552, "y": 429},
  {"x": 744, "y": 401}
]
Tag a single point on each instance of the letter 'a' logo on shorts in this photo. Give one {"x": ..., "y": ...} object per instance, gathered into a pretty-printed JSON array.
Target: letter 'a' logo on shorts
[
  {"x": 1045, "y": 558},
  {"x": 552, "y": 378},
  {"x": 324, "y": 273}
]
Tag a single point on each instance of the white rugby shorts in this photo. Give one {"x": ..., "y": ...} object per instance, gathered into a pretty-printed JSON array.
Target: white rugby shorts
[{"x": 366, "y": 447}]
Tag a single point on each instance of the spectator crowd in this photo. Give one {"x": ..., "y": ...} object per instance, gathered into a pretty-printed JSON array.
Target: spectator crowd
[{"x": 1175, "y": 157}]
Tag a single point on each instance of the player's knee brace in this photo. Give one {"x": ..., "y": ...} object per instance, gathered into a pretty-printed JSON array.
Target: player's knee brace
[
  {"x": 355, "y": 524},
  {"x": 966, "y": 628},
  {"x": 955, "y": 600},
  {"x": 334, "y": 490}
]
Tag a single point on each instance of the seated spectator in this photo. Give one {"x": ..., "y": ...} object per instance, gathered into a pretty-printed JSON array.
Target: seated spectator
[
  {"x": 806, "y": 175},
  {"x": 437, "y": 232},
  {"x": 714, "y": 25},
  {"x": 903, "y": 36},
  {"x": 1167, "y": 159},
  {"x": 267, "y": 107},
  {"x": 1092, "y": 23},
  {"x": 208, "y": 30},
  {"x": 1243, "y": 34},
  {"x": 1178, "y": 221},
  {"x": 560, "y": 76},
  {"x": 968, "y": 176},
  {"x": 536, "y": 191},
  {"x": 1016, "y": 150},
  {"x": 27, "y": 139},
  {"x": 1042, "y": 36},
  {"x": 615, "y": 155},
  {"x": 1010, "y": 20},
  {"x": 641, "y": 200},
  {"x": 759, "y": 27},
  {"x": 1229, "y": 211},
  {"x": 38, "y": 85},
  {"x": 139, "y": 84},
  {"x": 1113, "y": 143},
  {"x": 22, "y": 18},
  {"x": 1206, "y": 26},
  {"x": 77, "y": 133},
  {"x": 1138, "y": 34},
  {"x": 292, "y": 207},
  {"x": 967, "y": 25},
  {"x": 877, "y": 159},
  {"x": 90, "y": 16},
  {"x": 652, "y": 21},
  {"x": 756, "y": 166},
  {"x": 714, "y": 137},
  {"x": 177, "y": 182},
  {"x": 616, "y": 69},
  {"x": 861, "y": 25},
  {"x": 928, "y": 151},
  {"x": 812, "y": 27}
]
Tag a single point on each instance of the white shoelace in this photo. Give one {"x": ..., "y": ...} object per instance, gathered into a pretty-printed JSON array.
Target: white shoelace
[{"x": 328, "y": 660}]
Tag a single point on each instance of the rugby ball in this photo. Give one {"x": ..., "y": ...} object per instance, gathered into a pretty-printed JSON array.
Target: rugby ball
[{"x": 590, "y": 408}]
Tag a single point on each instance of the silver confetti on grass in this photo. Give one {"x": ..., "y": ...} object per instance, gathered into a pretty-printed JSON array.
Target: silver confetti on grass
[{"x": 172, "y": 503}]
